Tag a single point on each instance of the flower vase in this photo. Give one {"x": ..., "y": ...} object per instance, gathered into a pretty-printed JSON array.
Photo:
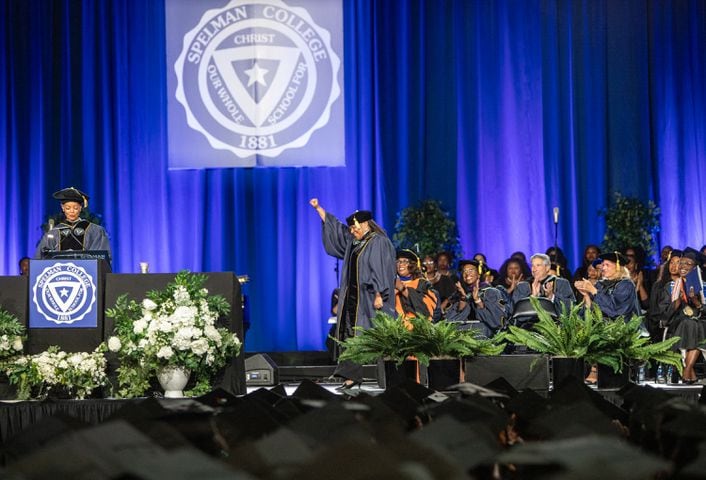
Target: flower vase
[{"x": 173, "y": 379}]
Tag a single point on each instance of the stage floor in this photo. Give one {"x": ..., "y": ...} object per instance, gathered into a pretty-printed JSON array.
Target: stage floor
[{"x": 372, "y": 388}]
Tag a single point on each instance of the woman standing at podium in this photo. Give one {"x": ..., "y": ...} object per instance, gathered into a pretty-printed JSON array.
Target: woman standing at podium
[{"x": 73, "y": 232}]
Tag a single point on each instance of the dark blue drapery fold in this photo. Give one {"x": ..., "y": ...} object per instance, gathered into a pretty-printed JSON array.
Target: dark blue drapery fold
[{"x": 501, "y": 109}]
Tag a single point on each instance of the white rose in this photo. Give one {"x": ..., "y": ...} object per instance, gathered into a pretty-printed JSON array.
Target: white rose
[
  {"x": 181, "y": 343},
  {"x": 148, "y": 304},
  {"x": 17, "y": 344},
  {"x": 186, "y": 332},
  {"x": 75, "y": 359},
  {"x": 181, "y": 296},
  {"x": 165, "y": 352},
  {"x": 184, "y": 314},
  {"x": 139, "y": 326},
  {"x": 200, "y": 346},
  {"x": 153, "y": 326},
  {"x": 212, "y": 332},
  {"x": 165, "y": 326},
  {"x": 114, "y": 344}
]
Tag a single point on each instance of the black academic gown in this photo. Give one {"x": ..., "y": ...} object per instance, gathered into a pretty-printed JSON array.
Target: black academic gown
[
  {"x": 368, "y": 267},
  {"x": 563, "y": 293},
  {"x": 616, "y": 298},
  {"x": 684, "y": 320},
  {"x": 79, "y": 235},
  {"x": 492, "y": 315}
]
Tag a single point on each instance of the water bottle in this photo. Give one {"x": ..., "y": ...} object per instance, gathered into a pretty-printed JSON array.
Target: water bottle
[
  {"x": 660, "y": 374},
  {"x": 670, "y": 374}
]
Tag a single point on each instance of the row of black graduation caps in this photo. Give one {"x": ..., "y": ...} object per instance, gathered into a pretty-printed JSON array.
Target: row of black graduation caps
[{"x": 492, "y": 431}]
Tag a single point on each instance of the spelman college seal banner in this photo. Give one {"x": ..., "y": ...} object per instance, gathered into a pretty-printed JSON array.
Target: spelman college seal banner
[{"x": 255, "y": 83}]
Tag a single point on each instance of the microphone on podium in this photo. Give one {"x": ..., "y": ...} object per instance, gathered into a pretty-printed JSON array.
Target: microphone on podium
[
  {"x": 556, "y": 214},
  {"x": 50, "y": 236}
]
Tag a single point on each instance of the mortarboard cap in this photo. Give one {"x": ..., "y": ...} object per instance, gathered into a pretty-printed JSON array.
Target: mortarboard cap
[
  {"x": 308, "y": 390},
  {"x": 249, "y": 420},
  {"x": 571, "y": 420},
  {"x": 462, "y": 263},
  {"x": 615, "y": 257},
  {"x": 37, "y": 435},
  {"x": 320, "y": 426},
  {"x": 71, "y": 194},
  {"x": 411, "y": 256},
  {"x": 695, "y": 255},
  {"x": 697, "y": 466},
  {"x": 279, "y": 390},
  {"x": 359, "y": 216},
  {"x": 218, "y": 397},
  {"x": 592, "y": 456},
  {"x": 468, "y": 444}
]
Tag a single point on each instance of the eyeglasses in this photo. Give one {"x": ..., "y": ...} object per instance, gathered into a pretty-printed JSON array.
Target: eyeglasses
[
  {"x": 429, "y": 263},
  {"x": 403, "y": 261}
]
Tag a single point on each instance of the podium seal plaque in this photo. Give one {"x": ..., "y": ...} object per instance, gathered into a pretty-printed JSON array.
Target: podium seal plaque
[{"x": 64, "y": 293}]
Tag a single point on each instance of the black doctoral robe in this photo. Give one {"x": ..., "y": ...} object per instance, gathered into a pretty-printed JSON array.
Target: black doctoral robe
[{"x": 374, "y": 269}]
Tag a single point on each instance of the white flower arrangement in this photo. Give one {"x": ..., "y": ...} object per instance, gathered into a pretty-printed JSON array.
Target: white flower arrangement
[
  {"x": 176, "y": 326},
  {"x": 12, "y": 334},
  {"x": 37, "y": 375}
]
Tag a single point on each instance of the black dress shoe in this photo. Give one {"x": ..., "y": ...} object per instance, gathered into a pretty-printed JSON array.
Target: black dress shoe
[{"x": 348, "y": 385}]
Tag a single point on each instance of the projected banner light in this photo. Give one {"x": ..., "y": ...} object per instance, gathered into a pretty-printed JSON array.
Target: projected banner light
[{"x": 255, "y": 83}]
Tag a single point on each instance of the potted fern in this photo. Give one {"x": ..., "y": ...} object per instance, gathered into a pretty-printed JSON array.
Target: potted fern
[
  {"x": 387, "y": 342},
  {"x": 568, "y": 340},
  {"x": 582, "y": 335},
  {"x": 441, "y": 347},
  {"x": 623, "y": 343}
]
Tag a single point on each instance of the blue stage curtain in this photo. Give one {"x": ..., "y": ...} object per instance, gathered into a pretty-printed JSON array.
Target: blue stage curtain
[{"x": 501, "y": 109}]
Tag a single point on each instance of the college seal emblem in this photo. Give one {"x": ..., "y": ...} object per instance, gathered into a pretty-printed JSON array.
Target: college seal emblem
[
  {"x": 257, "y": 77},
  {"x": 64, "y": 293}
]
